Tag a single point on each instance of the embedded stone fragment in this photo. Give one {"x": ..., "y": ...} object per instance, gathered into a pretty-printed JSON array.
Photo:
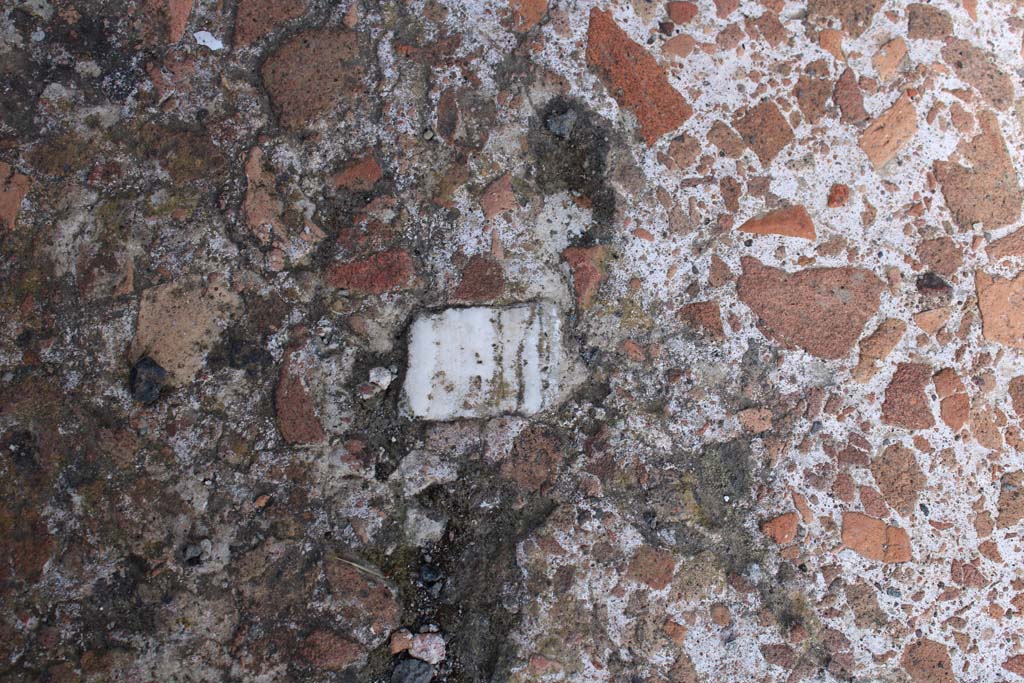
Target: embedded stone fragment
[
  {"x": 482, "y": 279},
  {"x": 899, "y": 477},
  {"x": 1001, "y": 302},
  {"x": 178, "y": 12},
  {"x": 1006, "y": 247},
  {"x": 256, "y": 18},
  {"x": 854, "y": 15},
  {"x": 527, "y": 13},
  {"x": 13, "y": 188},
  {"x": 652, "y": 566},
  {"x": 262, "y": 206},
  {"x": 634, "y": 78},
  {"x": 874, "y": 539},
  {"x": 1011, "y": 499},
  {"x": 781, "y": 529},
  {"x": 976, "y": 67},
  {"x": 704, "y": 316},
  {"x": 984, "y": 189},
  {"x": 386, "y": 271},
  {"x": 359, "y": 175},
  {"x": 889, "y": 57},
  {"x": 790, "y": 221},
  {"x": 906, "y": 403},
  {"x": 331, "y": 651},
  {"x": 482, "y": 362},
  {"x": 534, "y": 459},
  {"x": 849, "y": 99},
  {"x": 821, "y": 310},
  {"x": 765, "y": 130},
  {"x": 927, "y": 661},
  {"x": 877, "y": 347},
  {"x": 179, "y": 322},
  {"x": 428, "y": 647},
  {"x": 498, "y": 197},
  {"x": 887, "y": 134},
  {"x": 942, "y": 255},
  {"x": 588, "y": 272},
  {"x": 311, "y": 73},
  {"x": 927, "y": 22},
  {"x": 297, "y": 418}
]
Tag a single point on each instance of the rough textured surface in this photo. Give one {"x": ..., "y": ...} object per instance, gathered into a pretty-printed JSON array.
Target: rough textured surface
[{"x": 782, "y": 245}]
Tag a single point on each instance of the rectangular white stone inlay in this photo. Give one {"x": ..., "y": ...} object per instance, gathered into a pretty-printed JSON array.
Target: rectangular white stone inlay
[{"x": 483, "y": 361}]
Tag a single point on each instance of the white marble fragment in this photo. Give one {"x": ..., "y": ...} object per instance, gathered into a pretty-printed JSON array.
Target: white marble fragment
[
  {"x": 484, "y": 361},
  {"x": 207, "y": 39}
]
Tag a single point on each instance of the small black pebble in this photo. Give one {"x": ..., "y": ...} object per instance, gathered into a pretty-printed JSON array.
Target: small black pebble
[
  {"x": 193, "y": 555},
  {"x": 562, "y": 124},
  {"x": 412, "y": 671},
  {"x": 429, "y": 573},
  {"x": 930, "y": 283},
  {"x": 145, "y": 380}
]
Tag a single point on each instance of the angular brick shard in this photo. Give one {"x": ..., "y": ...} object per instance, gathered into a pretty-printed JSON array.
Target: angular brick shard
[
  {"x": 386, "y": 271},
  {"x": 874, "y": 539},
  {"x": 331, "y": 651},
  {"x": 1015, "y": 665},
  {"x": 889, "y": 57},
  {"x": 179, "y": 322},
  {"x": 790, "y": 221},
  {"x": 297, "y": 418},
  {"x": 359, "y": 175},
  {"x": 482, "y": 279},
  {"x": 482, "y": 362},
  {"x": 877, "y": 347},
  {"x": 854, "y": 15},
  {"x": 13, "y": 188},
  {"x": 1001, "y": 302},
  {"x": 634, "y": 78},
  {"x": 821, "y": 310},
  {"x": 1011, "y": 499},
  {"x": 976, "y": 67},
  {"x": 704, "y": 316},
  {"x": 906, "y": 403},
  {"x": 985, "y": 189},
  {"x": 781, "y": 529},
  {"x": 527, "y": 13},
  {"x": 311, "y": 73},
  {"x": 765, "y": 130},
  {"x": 849, "y": 99},
  {"x": 588, "y": 272},
  {"x": 899, "y": 477},
  {"x": 927, "y": 661},
  {"x": 927, "y": 22},
  {"x": 178, "y": 12},
  {"x": 1006, "y": 247},
  {"x": 652, "y": 566},
  {"x": 888, "y": 134},
  {"x": 256, "y": 18}
]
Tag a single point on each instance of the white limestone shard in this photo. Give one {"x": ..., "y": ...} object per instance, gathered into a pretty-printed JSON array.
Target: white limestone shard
[{"x": 485, "y": 361}]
